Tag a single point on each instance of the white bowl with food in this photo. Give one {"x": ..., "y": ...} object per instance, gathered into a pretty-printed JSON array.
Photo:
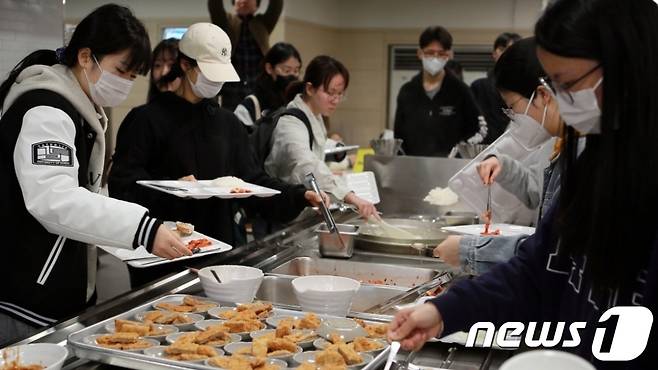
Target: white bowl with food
[
  {"x": 183, "y": 321},
  {"x": 228, "y": 313},
  {"x": 325, "y": 294},
  {"x": 302, "y": 320},
  {"x": 186, "y": 304},
  {"x": 257, "y": 325},
  {"x": 47, "y": 355},
  {"x": 360, "y": 344},
  {"x": 232, "y": 338},
  {"x": 128, "y": 342},
  {"x": 160, "y": 352},
  {"x": 311, "y": 357},
  {"x": 302, "y": 337},
  {"x": 244, "y": 349},
  {"x": 153, "y": 331},
  {"x": 239, "y": 284},
  {"x": 224, "y": 362}
]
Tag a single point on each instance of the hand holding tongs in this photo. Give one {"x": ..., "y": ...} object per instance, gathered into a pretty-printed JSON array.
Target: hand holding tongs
[{"x": 328, "y": 218}]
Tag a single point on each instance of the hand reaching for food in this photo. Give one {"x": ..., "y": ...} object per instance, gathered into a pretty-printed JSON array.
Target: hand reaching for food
[
  {"x": 365, "y": 208},
  {"x": 448, "y": 250},
  {"x": 489, "y": 169},
  {"x": 168, "y": 245},
  {"x": 314, "y": 199},
  {"x": 414, "y": 326}
]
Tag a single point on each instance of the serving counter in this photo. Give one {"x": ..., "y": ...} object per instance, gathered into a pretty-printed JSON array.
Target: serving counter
[{"x": 388, "y": 279}]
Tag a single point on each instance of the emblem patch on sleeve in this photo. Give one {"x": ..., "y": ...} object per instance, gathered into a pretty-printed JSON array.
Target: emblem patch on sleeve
[{"x": 52, "y": 153}]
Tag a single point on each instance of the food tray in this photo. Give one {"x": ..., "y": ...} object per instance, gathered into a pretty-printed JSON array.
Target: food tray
[
  {"x": 204, "y": 189},
  {"x": 477, "y": 229},
  {"x": 137, "y": 360},
  {"x": 140, "y": 258}
]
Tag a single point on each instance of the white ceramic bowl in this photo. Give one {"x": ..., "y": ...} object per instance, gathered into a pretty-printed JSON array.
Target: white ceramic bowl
[
  {"x": 49, "y": 355},
  {"x": 239, "y": 283},
  {"x": 325, "y": 294},
  {"x": 546, "y": 360}
]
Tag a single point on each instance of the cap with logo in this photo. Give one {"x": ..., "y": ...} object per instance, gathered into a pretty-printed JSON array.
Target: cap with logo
[{"x": 210, "y": 46}]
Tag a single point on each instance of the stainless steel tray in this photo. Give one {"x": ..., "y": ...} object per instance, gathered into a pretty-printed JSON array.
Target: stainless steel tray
[{"x": 134, "y": 360}]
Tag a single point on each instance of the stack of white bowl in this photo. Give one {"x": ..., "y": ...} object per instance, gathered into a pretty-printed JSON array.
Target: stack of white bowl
[
  {"x": 325, "y": 294},
  {"x": 239, "y": 284}
]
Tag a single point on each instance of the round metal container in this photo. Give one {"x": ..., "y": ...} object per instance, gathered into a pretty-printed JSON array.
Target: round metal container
[{"x": 429, "y": 236}]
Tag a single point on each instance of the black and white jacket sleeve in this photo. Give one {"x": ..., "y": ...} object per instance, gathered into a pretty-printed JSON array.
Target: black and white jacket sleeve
[{"x": 52, "y": 192}]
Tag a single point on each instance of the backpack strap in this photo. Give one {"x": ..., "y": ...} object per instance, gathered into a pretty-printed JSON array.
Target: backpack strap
[
  {"x": 257, "y": 112},
  {"x": 300, "y": 115}
]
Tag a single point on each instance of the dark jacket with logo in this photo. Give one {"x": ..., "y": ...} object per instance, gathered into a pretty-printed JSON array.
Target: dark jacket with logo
[{"x": 431, "y": 127}]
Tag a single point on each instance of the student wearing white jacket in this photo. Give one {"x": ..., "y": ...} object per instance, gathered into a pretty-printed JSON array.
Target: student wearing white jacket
[
  {"x": 291, "y": 158},
  {"x": 51, "y": 163}
]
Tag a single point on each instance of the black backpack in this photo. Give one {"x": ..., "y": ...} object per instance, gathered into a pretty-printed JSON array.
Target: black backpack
[{"x": 261, "y": 138}]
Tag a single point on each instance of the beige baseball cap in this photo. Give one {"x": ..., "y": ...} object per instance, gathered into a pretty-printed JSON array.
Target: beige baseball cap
[{"x": 210, "y": 46}]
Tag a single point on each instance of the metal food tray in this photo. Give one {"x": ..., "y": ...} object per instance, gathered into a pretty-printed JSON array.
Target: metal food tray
[{"x": 136, "y": 360}]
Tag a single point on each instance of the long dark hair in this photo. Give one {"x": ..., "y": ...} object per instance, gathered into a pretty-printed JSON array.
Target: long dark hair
[
  {"x": 107, "y": 30},
  {"x": 609, "y": 194},
  {"x": 319, "y": 72},
  {"x": 168, "y": 46},
  {"x": 518, "y": 68}
]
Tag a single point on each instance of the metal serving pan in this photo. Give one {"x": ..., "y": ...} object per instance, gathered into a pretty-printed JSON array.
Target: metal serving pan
[{"x": 134, "y": 360}]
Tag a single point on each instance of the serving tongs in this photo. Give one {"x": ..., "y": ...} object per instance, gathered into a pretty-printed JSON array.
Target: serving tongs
[
  {"x": 328, "y": 218},
  {"x": 417, "y": 291}
]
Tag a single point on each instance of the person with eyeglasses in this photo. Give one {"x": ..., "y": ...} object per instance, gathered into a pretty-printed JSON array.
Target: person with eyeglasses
[
  {"x": 486, "y": 95},
  {"x": 297, "y": 149},
  {"x": 587, "y": 255},
  {"x": 435, "y": 110},
  {"x": 533, "y": 110}
]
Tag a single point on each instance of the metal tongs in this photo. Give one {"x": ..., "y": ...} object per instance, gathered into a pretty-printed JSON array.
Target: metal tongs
[{"x": 328, "y": 218}]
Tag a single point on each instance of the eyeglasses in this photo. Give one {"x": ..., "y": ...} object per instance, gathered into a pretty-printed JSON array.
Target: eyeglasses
[
  {"x": 565, "y": 87},
  {"x": 341, "y": 96},
  {"x": 508, "y": 111}
]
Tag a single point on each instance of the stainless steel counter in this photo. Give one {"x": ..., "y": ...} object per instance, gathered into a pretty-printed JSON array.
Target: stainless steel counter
[{"x": 278, "y": 253}]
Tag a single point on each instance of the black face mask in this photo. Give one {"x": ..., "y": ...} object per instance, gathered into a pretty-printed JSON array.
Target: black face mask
[{"x": 282, "y": 82}]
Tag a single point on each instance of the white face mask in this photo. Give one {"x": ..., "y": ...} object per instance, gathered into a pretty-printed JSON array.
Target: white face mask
[
  {"x": 204, "y": 88},
  {"x": 110, "y": 90},
  {"x": 584, "y": 113},
  {"x": 527, "y": 131},
  {"x": 433, "y": 65}
]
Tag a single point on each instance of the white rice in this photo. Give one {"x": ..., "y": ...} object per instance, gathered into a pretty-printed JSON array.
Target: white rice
[
  {"x": 441, "y": 197},
  {"x": 228, "y": 182}
]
